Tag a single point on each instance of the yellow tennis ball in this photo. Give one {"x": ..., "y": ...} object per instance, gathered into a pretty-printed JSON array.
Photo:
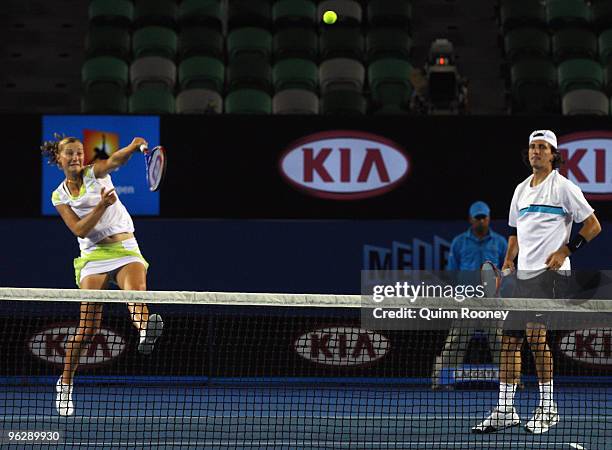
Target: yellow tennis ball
[{"x": 330, "y": 17}]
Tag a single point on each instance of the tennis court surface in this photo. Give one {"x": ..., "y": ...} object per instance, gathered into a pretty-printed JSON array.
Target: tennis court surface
[{"x": 275, "y": 371}]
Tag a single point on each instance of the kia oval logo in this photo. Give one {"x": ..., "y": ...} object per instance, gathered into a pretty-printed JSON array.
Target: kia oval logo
[
  {"x": 342, "y": 346},
  {"x": 50, "y": 345},
  {"x": 588, "y": 162},
  {"x": 592, "y": 346},
  {"x": 344, "y": 165}
]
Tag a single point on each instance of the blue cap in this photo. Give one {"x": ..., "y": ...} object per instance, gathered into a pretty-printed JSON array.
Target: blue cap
[{"x": 479, "y": 209}]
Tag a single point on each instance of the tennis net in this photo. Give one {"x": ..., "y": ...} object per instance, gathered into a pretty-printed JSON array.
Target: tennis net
[{"x": 239, "y": 370}]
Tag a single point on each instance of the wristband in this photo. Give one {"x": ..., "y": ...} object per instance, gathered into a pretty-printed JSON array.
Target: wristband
[
  {"x": 512, "y": 231},
  {"x": 576, "y": 242}
]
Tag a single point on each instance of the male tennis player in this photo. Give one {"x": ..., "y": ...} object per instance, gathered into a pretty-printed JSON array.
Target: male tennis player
[
  {"x": 541, "y": 214},
  {"x": 87, "y": 203}
]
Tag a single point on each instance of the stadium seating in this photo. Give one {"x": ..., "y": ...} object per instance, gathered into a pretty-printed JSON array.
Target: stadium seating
[
  {"x": 295, "y": 73},
  {"x": 118, "y": 13},
  {"x": 203, "y": 13},
  {"x": 580, "y": 74},
  {"x": 255, "y": 56},
  {"x": 154, "y": 41},
  {"x": 389, "y": 81},
  {"x": 567, "y": 13},
  {"x": 153, "y": 71},
  {"x": 248, "y": 101},
  {"x": 585, "y": 101},
  {"x": 155, "y": 12},
  {"x": 295, "y": 101},
  {"x": 108, "y": 40},
  {"x": 151, "y": 100},
  {"x": 199, "y": 101},
  {"x": 526, "y": 43},
  {"x": 290, "y": 13},
  {"x": 202, "y": 72}
]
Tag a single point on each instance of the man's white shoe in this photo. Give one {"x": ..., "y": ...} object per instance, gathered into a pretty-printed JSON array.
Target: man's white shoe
[
  {"x": 63, "y": 400},
  {"x": 544, "y": 418},
  {"x": 498, "y": 420},
  {"x": 153, "y": 331}
]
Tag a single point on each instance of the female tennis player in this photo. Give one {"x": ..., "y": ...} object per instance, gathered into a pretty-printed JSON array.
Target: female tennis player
[{"x": 87, "y": 203}]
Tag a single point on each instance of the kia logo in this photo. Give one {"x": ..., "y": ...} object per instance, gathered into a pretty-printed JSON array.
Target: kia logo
[
  {"x": 50, "y": 345},
  {"x": 588, "y": 159},
  {"x": 344, "y": 165},
  {"x": 591, "y": 346},
  {"x": 342, "y": 346}
]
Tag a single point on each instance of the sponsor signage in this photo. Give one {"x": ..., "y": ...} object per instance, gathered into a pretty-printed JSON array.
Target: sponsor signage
[
  {"x": 342, "y": 346},
  {"x": 588, "y": 162},
  {"x": 50, "y": 345},
  {"x": 344, "y": 165},
  {"x": 590, "y": 346}
]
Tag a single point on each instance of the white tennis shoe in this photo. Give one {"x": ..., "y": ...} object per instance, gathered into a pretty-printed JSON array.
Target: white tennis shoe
[
  {"x": 544, "y": 418},
  {"x": 152, "y": 332},
  {"x": 63, "y": 400},
  {"x": 498, "y": 420}
]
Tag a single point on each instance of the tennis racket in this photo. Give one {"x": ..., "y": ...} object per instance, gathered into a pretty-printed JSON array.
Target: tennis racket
[
  {"x": 492, "y": 278},
  {"x": 155, "y": 166}
]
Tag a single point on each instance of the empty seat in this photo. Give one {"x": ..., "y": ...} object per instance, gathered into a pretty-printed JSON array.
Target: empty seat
[
  {"x": 200, "y": 41},
  {"x": 605, "y": 46},
  {"x": 155, "y": 12},
  {"x": 295, "y": 42},
  {"x": 295, "y": 101},
  {"x": 249, "y": 71},
  {"x": 153, "y": 71},
  {"x": 580, "y": 74},
  {"x": 390, "y": 85},
  {"x": 341, "y": 42},
  {"x": 526, "y": 43},
  {"x": 111, "y": 12},
  {"x": 348, "y": 11},
  {"x": 295, "y": 73},
  {"x": 202, "y": 72},
  {"x": 287, "y": 13},
  {"x": 534, "y": 87},
  {"x": 585, "y": 101},
  {"x": 567, "y": 13},
  {"x": 106, "y": 40},
  {"x": 104, "y": 100},
  {"x": 152, "y": 100},
  {"x": 388, "y": 42},
  {"x": 199, "y": 101},
  {"x": 104, "y": 70},
  {"x": 520, "y": 13},
  {"x": 390, "y": 13},
  {"x": 248, "y": 101},
  {"x": 245, "y": 13},
  {"x": 205, "y": 13},
  {"x": 154, "y": 41},
  {"x": 343, "y": 102},
  {"x": 341, "y": 73},
  {"x": 574, "y": 43},
  {"x": 249, "y": 40}
]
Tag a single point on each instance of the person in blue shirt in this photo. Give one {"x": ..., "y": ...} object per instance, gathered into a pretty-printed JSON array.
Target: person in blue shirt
[{"x": 467, "y": 253}]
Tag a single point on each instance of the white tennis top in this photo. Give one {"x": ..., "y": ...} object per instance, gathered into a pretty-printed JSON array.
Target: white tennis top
[
  {"x": 543, "y": 217},
  {"x": 115, "y": 219}
]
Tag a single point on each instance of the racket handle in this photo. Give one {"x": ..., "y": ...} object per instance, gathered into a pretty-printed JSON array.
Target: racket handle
[
  {"x": 143, "y": 148},
  {"x": 506, "y": 272}
]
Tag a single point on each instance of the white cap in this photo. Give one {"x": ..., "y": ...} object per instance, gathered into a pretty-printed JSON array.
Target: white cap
[{"x": 543, "y": 135}]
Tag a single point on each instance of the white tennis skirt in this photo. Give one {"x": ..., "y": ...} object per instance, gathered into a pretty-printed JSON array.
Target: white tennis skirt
[{"x": 108, "y": 258}]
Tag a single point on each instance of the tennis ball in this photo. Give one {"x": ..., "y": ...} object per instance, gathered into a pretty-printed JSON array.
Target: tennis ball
[{"x": 330, "y": 17}]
